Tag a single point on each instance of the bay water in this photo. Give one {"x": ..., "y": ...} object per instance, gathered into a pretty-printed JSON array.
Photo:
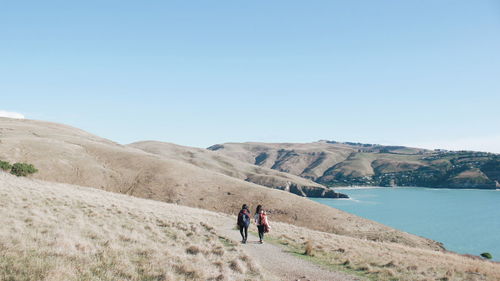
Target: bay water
[{"x": 465, "y": 221}]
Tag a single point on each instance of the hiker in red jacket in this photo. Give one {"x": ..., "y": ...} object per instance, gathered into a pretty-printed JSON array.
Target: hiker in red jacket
[{"x": 261, "y": 222}]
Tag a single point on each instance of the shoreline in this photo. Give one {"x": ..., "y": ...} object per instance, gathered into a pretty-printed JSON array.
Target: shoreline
[
  {"x": 363, "y": 187},
  {"x": 402, "y": 187}
]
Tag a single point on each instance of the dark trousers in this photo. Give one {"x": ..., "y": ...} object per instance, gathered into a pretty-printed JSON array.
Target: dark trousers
[
  {"x": 261, "y": 232},
  {"x": 244, "y": 232}
]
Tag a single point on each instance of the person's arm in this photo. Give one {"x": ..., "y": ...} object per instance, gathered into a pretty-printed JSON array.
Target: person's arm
[{"x": 249, "y": 217}]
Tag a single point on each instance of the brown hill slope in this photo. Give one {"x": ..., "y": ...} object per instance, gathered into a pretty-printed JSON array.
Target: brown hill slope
[
  {"x": 309, "y": 160},
  {"x": 69, "y": 155},
  {"x": 235, "y": 168},
  {"x": 339, "y": 164},
  {"x": 57, "y": 232},
  {"x": 61, "y": 232}
]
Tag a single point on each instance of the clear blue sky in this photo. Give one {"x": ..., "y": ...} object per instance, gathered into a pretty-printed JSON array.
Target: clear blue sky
[{"x": 203, "y": 72}]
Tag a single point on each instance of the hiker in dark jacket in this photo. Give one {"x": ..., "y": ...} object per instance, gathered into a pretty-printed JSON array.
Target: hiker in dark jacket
[{"x": 244, "y": 222}]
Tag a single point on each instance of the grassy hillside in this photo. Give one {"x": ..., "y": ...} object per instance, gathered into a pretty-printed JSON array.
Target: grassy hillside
[
  {"x": 68, "y": 155},
  {"x": 232, "y": 167},
  {"x": 341, "y": 164},
  {"x": 306, "y": 160},
  {"x": 381, "y": 260},
  {"x": 64, "y": 232}
]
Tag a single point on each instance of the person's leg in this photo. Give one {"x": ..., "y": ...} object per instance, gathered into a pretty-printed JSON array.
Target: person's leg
[
  {"x": 246, "y": 234},
  {"x": 261, "y": 232},
  {"x": 241, "y": 232}
]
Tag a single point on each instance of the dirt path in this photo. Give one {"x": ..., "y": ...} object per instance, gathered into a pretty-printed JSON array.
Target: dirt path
[{"x": 277, "y": 262}]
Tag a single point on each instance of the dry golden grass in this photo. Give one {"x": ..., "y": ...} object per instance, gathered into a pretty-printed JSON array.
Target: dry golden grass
[
  {"x": 68, "y": 155},
  {"x": 228, "y": 166},
  {"x": 62, "y": 232},
  {"x": 381, "y": 260},
  {"x": 309, "y": 248},
  {"x": 309, "y": 160},
  {"x": 321, "y": 159}
]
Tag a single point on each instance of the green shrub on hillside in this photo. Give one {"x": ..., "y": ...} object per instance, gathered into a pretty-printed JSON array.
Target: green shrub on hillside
[
  {"x": 23, "y": 169},
  {"x": 487, "y": 256},
  {"x": 4, "y": 165}
]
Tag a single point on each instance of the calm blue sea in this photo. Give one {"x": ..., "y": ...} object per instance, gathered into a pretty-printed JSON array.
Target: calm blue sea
[{"x": 465, "y": 221}]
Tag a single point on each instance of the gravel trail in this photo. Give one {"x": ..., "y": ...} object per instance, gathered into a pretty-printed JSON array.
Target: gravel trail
[{"x": 275, "y": 261}]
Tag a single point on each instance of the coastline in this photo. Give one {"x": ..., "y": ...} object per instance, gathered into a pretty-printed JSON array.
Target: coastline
[
  {"x": 363, "y": 187},
  {"x": 402, "y": 187}
]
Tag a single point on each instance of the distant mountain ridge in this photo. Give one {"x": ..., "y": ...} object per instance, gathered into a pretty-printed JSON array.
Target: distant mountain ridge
[
  {"x": 334, "y": 163},
  {"x": 235, "y": 168}
]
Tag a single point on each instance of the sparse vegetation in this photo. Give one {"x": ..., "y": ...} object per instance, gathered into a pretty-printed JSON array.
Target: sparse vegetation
[
  {"x": 487, "y": 256},
  {"x": 18, "y": 169},
  {"x": 4, "y": 165},
  {"x": 23, "y": 169},
  {"x": 193, "y": 250}
]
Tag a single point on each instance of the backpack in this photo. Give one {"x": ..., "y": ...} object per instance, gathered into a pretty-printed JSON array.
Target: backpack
[
  {"x": 263, "y": 221},
  {"x": 243, "y": 218}
]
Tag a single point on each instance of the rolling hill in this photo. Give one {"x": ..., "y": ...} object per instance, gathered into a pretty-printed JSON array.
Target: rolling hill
[
  {"x": 61, "y": 232},
  {"x": 340, "y": 164},
  {"x": 69, "y": 155},
  {"x": 235, "y": 168}
]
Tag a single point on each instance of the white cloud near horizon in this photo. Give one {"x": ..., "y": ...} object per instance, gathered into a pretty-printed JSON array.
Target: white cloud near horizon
[
  {"x": 483, "y": 143},
  {"x": 9, "y": 114}
]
